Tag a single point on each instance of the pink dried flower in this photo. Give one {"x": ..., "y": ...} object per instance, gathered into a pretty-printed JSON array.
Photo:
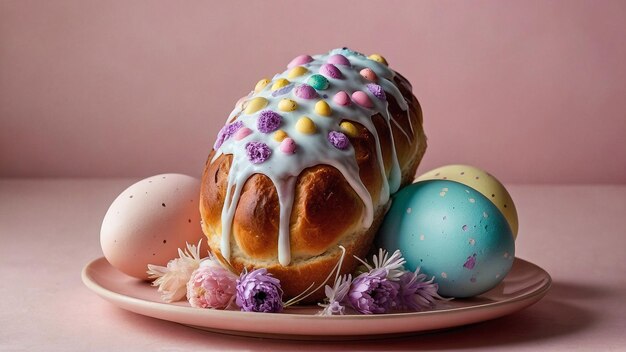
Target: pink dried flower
[
  {"x": 172, "y": 280},
  {"x": 211, "y": 286}
]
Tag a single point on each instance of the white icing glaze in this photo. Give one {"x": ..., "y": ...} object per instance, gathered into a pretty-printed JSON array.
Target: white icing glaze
[{"x": 312, "y": 149}]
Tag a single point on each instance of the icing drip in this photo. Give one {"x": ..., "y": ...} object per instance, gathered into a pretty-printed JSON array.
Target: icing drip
[{"x": 307, "y": 122}]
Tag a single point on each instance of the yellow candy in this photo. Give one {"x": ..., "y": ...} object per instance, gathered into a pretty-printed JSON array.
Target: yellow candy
[
  {"x": 279, "y": 83},
  {"x": 322, "y": 108},
  {"x": 378, "y": 58},
  {"x": 280, "y": 135},
  {"x": 261, "y": 84},
  {"x": 349, "y": 128},
  {"x": 287, "y": 105},
  {"x": 305, "y": 125},
  {"x": 255, "y": 104},
  {"x": 297, "y": 72}
]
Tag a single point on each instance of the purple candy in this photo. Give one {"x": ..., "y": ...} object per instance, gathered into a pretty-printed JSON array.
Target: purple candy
[
  {"x": 377, "y": 91},
  {"x": 282, "y": 91},
  {"x": 226, "y": 132},
  {"x": 338, "y": 59},
  {"x": 268, "y": 121},
  {"x": 258, "y": 152},
  {"x": 305, "y": 91},
  {"x": 338, "y": 140},
  {"x": 330, "y": 70}
]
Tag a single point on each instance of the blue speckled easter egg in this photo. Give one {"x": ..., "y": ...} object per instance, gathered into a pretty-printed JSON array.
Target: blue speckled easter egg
[{"x": 452, "y": 232}]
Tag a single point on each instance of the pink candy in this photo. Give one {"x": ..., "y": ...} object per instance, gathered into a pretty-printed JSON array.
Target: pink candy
[
  {"x": 305, "y": 91},
  {"x": 300, "y": 60},
  {"x": 362, "y": 99},
  {"x": 338, "y": 59},
  {"x": 287, "y": 146},
  {"x": 342, "y": 98},
  {"x": 369, "y": 74},
  {"x": 330, "y": 70},
  {"x": 242, "y": 133}
]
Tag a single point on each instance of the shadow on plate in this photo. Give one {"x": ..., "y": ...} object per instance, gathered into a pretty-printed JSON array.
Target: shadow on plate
[{"x": 555, "y": 315}]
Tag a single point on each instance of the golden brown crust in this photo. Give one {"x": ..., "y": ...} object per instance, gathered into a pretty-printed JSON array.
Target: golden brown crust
[{"x": 326, "y": 211}]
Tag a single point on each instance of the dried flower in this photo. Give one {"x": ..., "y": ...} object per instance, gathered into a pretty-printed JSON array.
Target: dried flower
[
  {"x": 259, "y": 291},
  {"x": 336, "y": 296},
  {"x": 172, "y": 280},
  {"x": 416, "y": 293},
  {"x": 393, "y": 264},
  {"x": 211, "y": 286},
  {"x": 373, "y": 292}
]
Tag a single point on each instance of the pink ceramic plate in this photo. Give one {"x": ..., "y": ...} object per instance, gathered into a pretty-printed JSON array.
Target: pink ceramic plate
[{"x": 523, "y": 286}]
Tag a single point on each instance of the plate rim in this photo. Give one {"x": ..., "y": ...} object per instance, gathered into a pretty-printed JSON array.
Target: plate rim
[{"x": 120, "y": 300}]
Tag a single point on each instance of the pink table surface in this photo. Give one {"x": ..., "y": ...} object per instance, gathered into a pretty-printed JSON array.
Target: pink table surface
[{"x": 50, "y": 229}]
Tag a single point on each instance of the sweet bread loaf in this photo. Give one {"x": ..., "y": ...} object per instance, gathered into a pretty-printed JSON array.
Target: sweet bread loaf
[{"x": 306, "y": 162}]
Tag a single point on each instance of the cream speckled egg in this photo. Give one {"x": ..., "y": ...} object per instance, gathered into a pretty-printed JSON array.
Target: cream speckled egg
[
  {"x": 481, "y": 181},
  {"x": 149, "y": 221}
]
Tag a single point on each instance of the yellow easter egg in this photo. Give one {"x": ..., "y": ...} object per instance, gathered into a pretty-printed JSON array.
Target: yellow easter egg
[
  {"x": 279, "y": 83},
  {"x": 322, "y": 108},
  {"x": 305, "y": 125},
  {"x": 349, "y": 128},
  {"x": 378, "y": 58},
  {"x": 482, "y": 182},
  {"x": 297, "y": 72},
  {"x": 261, "y": 84},
  {"x": 255, "y": 104},
  {"x": 287, "y": 105},
  {"x": 280, "y": 135}
]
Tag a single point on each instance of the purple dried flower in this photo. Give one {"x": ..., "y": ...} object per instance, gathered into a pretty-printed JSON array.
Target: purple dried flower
[
  {"x": 226, "y": 132},
  {"x": 416, "y": 293},
  {"x": 338, "y": 140},
  {"x": 336, "y": 295},
  {"x": 268, "y": 121},
  {"x": 377, "y": 91},
  {"x": 372, "y": 292},
  {"x": 258, "y": 152},
  {"x": 259, "y": 291}
]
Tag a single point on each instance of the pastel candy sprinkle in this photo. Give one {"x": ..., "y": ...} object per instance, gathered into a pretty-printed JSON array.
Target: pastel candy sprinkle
[
  {"x": 338, "y": 59},
  {"x": 330, "y": 70},
  {"x": 297, "y": 72},
  {"x": 305, "y": 125},
  {"x": 349, "y": 128},
  {"x": 318, "y": 82},
  {"x": 338, "y": 140},
  {"x": 255, "y": 104},
  {"x": 258, "y": 152},
  {"x": 305, "y": 91},
  {"x": 377, "y": 91},
  {"x": 368, "y": 74},
  {"x": 342, "y": 98},
  {"x": 362, "y": 99},
  {"x": 226, "y": 132},
  {"x": 280, "y": 135},
  {"x": 261, "y": 84},
  {"x": 279, "y": 83},
  {"x": 322, "y": 108},
  {"x": 282, "y": 91},
  {"x": 287, "y": 146},
  {"x": 242, "y": 133},
  {"x": 300, "y": 60},
  {"x": 287, "y": 105},
  {"x": 378, "y": 58},
  {"x": 268, "y": 121},
  {"x": 239, "y": 103}
]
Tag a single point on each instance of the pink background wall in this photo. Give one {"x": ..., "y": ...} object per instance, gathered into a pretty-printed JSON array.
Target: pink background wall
[{"x": 533, "y": 91}]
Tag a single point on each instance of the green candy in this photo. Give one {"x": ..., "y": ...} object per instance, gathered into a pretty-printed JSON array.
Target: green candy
[{"x": 318, "y": 82}]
